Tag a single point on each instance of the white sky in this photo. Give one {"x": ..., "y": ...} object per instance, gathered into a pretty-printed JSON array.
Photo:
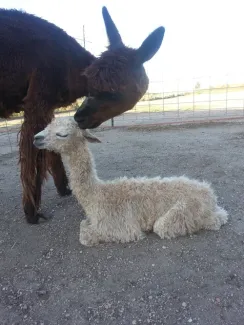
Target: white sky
[{"x": 202, "y": 37}]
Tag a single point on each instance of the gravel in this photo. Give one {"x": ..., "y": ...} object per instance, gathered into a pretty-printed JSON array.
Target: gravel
[{"x": 47, "y": 277}]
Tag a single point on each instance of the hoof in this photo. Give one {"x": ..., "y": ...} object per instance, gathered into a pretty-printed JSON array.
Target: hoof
[
  {"x": 65, "y": 192},
  {"x": 32, "y": 219},
  {"x": 31, "y": 214},
  {"x": 35, "y": 219}
]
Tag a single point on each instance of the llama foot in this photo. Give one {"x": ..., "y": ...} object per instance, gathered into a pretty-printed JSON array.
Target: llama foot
[
  {"x": 32, "y": 216},
  {"x": 88, "y": 236},
  {"x": 163, "y": 230},
  {"x": 219, "y": 218},
  {"x": 65, "y": 191},
  {"x": 35, "y": 219},
  {"x": 172, "y": 224}
]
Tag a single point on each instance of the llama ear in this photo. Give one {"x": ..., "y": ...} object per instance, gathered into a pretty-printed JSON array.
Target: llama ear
[
  {"x": 151, "y": 45},
  {"x": 114, "y": 37},
  {"x": 90, "y": 137}
]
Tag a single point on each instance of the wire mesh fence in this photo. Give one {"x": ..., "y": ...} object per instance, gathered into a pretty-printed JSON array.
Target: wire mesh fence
[
  {"x": 183, "y": 99},
  {"x": 192, "y": 99},
  {"x": 167, "y": 101}
]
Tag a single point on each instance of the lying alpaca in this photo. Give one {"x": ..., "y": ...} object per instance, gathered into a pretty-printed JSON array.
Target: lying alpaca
[{"x": 123, "y": 209}]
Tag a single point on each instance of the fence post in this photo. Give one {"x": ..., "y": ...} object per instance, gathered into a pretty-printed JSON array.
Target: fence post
[
  {"x": 178, "y": 98},
  {"x": 149, "y": 105},
  {"x": 84, "y": 37},
  {"x": 8, "y": 133},
  {"x": 163, "y": 94},
  {"x": 226, "y": 95},
  {"x": 193, "y": 96},
  {"x": 209, "y": 98},
  {"x": 163, "y": 104},
  {"x": 112, "y": 122}
]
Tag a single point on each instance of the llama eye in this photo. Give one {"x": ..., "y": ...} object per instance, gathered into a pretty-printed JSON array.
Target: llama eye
[
  {"x": 61, "y": 135},
  {"x": 108, "y": 96},
  {"x": 113, "y": 96}
]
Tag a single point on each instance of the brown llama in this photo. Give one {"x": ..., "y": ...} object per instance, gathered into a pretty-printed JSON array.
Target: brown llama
[
  {"x": 117, "y": 80},
  {"x": 43, "y": 68}
]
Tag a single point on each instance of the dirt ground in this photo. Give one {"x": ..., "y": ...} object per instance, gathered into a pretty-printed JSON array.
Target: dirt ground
[{"x": 47, "y": 277}]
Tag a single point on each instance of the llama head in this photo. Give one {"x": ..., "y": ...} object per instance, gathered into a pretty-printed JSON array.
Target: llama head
[
  {"x": 117, "y": 79},
  {"x": 63, "y": 135}
]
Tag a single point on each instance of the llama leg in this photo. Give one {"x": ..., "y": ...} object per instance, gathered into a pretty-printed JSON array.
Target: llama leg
[
  {"x": 216, "y": 219},
  {"x": 184, "y": 219},
  {"x": 109, "y": 232},
  {"x": 88, "y": 235},
  {"x": 173, "y": 223},
  {"x": 39, "y": 106},
  {"x": 58, "y": 173},
  {"x": 33, "y": 171}
]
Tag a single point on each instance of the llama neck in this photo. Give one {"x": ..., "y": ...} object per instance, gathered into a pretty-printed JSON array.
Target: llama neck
[{"x": 83, "y": 175}]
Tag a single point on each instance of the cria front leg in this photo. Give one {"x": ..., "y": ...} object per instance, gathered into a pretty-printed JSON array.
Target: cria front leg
[{"x": 88, "y": 235}]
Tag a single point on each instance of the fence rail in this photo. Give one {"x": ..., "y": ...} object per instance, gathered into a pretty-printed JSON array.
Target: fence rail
[{"x": 188, "y": 101}]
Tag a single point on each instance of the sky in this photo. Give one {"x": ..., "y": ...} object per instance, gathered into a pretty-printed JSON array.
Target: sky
[{"x": 202, "y": 38}]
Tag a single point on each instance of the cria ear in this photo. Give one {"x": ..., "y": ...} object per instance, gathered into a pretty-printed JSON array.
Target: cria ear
[
  {"x": 90, "y": 137},
  {"x": 151, "y": 45}
]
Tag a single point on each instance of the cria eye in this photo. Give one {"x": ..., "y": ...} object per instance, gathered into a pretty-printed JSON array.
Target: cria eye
[{"x": 61, "y": 135}]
